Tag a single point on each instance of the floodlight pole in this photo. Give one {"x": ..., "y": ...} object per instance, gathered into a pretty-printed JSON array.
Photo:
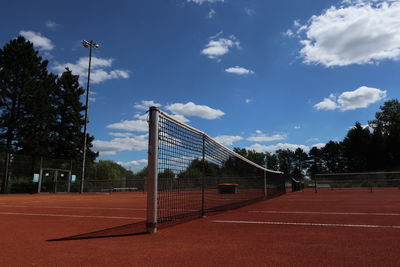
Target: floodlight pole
[{"x": 91, "y": 45}]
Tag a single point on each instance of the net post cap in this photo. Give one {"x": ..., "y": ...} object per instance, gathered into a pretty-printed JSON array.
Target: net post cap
[{"x": 153, "y": 108}]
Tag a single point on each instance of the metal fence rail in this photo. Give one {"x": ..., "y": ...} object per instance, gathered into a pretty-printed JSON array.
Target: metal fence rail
[{"x": 20, "y": 173}]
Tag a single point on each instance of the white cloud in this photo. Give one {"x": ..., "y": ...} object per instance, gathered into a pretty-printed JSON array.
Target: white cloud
[
  {"x": 92, "y": 96},
  {"x": 211, "y": 14},
  {"x": 191, "y": 109},
  {"x": 217, "y": 48},
  {"x": 357, "y": 32},
  {"x": 134, "y": 142},
  {"x": 249, "y": 11},
  {"x": 141, "y": 116},
  {"x": 98, "y": 72},
  {"x": 248, "y": 100},
  {"x": 51, "y": 25},
  {"x": 204, "y": 1},
  {"x": 297, "y": 24},
  {"x": 228, "y": 140},
  {"x": 273, "y": 148},
  {"x": 133, "y": 163},
  {"x": 120, "y": 134},
  {"x": 239, "y": 70},
  {"x": 259, "y": 136},
  {"x": 288, "y": 33},
  {"x": 146, "y": 104},
  {"x": 319, "y": 145},
  {"x": 38, "y": 40},
  {"x": 297, "y": 127},
  {"x": 180, "y": 118},
  {"x": 130, "y": 125},
  {"x": 327, "y": 103},
  {"x": 359, "y": 98}
]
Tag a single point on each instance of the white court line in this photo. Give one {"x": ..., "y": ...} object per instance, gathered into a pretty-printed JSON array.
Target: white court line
[
  {"x": 67, "y": 215},
  {"x": 61, "y": 207},
  {"x": 88, "y": 208},
  {"x": 326, "y": 213},
  {"x": 311, "y": 224}
]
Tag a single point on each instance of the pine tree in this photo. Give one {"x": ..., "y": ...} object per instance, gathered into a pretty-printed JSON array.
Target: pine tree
[
  {"x": 26, "y": 106},
  {"x": 387, "y": 121},
  {"x": 70, "y": 120},
  {"x": 356, "y": 148}
]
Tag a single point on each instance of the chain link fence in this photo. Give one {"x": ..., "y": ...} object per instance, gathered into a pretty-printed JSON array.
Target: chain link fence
[{"x": 21, "y": 173}]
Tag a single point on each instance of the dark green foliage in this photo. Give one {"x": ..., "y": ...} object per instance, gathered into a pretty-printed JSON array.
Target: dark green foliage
[
  {"x": 256, "y": 157},
  {"x": 142, "y": 173},
  {"x": 109, "y": 170},
  {"x": 26, "y": 90},
  {"x": 272, "y": 162},
  {"x": 356, "y": 148},
  {"x": 23, "y": 185},
  {"x": 316, "y": 161},
  {"x": 285, "y": 160},
  {"x": 300, "y": 163},
  {"x": 387, "y": 129},
  {"x": 40, "y": 114},
  {"x": 332, "y": 155},
  {"x": 70, "y": 120}
]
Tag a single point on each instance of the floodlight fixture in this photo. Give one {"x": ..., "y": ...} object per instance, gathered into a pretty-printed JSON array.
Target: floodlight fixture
[{"x": 91, "y": 44}]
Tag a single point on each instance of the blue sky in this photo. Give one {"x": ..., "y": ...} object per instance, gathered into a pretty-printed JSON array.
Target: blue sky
[{"x": 257, "y": 74}]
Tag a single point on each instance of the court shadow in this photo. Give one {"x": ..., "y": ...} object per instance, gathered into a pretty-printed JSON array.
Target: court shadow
[{"x": 132, "y": 229}]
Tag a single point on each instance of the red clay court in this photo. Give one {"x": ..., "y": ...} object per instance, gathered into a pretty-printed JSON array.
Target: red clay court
[{"x": 328, "y": 228}]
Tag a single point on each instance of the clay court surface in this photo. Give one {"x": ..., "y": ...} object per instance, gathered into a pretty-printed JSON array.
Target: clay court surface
[{"x": 328, "y": 228}]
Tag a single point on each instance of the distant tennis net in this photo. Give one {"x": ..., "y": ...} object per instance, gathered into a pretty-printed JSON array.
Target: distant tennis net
[
  {"x": 191, "y": 174},
  {"x": 364, "y": 180}
]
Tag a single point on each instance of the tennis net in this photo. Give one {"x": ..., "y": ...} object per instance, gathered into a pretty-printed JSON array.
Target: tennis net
[
  {"x": 364, "y": 180},
  {"x": 191, "y": 174}
]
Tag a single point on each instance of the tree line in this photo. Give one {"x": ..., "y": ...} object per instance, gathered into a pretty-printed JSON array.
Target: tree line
[
  {"x": 375, "y": 147},
  {"x": 40, "y": 113}
]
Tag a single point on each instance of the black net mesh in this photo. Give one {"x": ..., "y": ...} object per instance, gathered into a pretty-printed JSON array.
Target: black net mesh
[{"x": 197, "y": 175}]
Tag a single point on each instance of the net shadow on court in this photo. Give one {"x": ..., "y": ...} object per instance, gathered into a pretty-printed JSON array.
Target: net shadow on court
[{"x": 132, "y": 229}]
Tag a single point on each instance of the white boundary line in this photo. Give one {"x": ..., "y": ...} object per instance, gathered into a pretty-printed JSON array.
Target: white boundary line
[
  {"x": 311, "y": 224},
  {"x": 71, "y": 216},
  {"x": 61, "y": 207},
  {"x": 326, "y": 213}
]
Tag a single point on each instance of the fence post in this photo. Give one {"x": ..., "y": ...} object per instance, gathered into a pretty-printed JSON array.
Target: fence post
[
  {"x": 265, "y": 185},
  {"x": 5, "y": 174},
  {"x": 203, "y": 179},
  {"x": 40, "y": 175},
  {"x": 315, "y": 183},
  {"x": 152, "y": 177},
  {"x": 69, "y": 177}
]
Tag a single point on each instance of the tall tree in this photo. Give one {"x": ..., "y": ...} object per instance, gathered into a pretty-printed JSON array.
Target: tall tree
[
  {"x": 388, "y": 122},
  {"x": 26, "y": 106},
  {"x": 356, "y": 148},
  {"x": 70, "y": 120},
  {"x": 286, "y": 160},
  {"x": 300, "y": 163},
  {"x": 272, "y": 162},
  {"x": 25, "y": 87},
  {"x": 333, "y": 157},
  {"x": 316, "y": 161},
  {"x": 378, "y": 147}
]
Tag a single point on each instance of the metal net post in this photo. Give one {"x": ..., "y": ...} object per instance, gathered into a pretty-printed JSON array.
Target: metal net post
[{"x": 152, "y": 178}]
